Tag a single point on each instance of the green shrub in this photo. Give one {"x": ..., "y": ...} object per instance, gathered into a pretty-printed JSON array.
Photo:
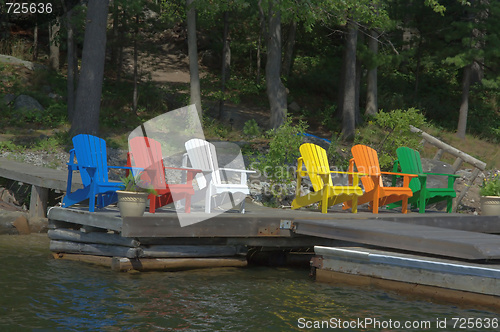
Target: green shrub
[
  {"x": 338, "y": 155},
  {"x": 490, "y": 186},
  {"x": 251, "y": 128},
  {"x": 389, "y": 131},
  {"x": 278, "y": 164},
  {"x": 215, "y": 129}
]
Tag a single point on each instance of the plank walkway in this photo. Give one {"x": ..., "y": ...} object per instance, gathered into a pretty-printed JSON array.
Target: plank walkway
[
  {"x": 397, "y": 235},
  {"x": 41, "y": 178},
  {"x": 426, "y": 234}
]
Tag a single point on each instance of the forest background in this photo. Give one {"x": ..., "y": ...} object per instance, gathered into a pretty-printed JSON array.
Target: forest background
[{"x": 259, "y": 71}]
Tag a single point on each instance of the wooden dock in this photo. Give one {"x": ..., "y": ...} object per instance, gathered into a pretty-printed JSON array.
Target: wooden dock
[
  {"x": 41, "y": 180},
  {"x": 445, "y": 245}
]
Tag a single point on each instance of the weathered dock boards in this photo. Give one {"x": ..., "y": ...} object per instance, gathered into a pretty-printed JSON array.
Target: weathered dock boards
[
  {"x": 464, "y": 222},
  {"x": 438, "y": 278},
  {"x": 404, "y": 236},
  {"x": 266, "y": 227},
  {"x": 41, "y": 178},
  {"x": 107, "y": 219},
  {"x": 158, "y": 242}
]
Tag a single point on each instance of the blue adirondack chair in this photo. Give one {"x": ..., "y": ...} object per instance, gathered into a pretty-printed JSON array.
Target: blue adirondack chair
[{"x": 90, "y": 153}]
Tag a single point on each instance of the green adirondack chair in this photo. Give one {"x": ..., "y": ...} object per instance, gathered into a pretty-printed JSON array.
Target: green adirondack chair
[{"x": 410, "y": 162}]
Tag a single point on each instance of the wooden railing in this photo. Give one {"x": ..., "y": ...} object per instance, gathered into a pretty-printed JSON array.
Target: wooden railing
[{"x": 460, "y": 156}]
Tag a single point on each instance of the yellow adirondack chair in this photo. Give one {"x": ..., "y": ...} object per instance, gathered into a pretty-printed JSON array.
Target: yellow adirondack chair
[{"x": 314, "y": 159}]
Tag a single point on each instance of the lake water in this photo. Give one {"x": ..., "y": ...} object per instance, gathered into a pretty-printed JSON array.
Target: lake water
[{"x": 39, "y": 293}]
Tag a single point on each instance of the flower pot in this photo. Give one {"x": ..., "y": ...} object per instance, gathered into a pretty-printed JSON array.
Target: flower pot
[
  {"x": 490, "y": 205},
  {"x": 132, "y": 204}
]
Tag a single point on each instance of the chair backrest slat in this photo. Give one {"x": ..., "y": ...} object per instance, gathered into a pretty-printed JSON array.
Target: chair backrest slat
[
  {"x": 315, "y": 161},
  {"x": 91, "y": 151},
  {"x": 366, "y": 160},
  {"x": 203, "y": 155},
  {"x": 410, "y": 162},
  {"x": 146, "y": 154}
]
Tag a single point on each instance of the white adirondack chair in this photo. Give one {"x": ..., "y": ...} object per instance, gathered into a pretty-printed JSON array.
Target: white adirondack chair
[{"x": 202, "y": 155}]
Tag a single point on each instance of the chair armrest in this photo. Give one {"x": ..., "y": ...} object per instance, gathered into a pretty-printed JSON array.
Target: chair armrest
[
  {"x": 406, "y": 177},
  {"x": 237, "y": 170},
  {"x": 350, "y": 173},
  {"x": 125, "y": 167},
  {"x": 443, "y": 174},
  {"x": 191, "y": 170},
  {"x": 353, "y": 176},
  {"x": 401, "y": 174}
]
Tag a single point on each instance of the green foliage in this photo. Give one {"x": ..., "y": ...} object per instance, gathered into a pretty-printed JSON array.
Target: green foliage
[
  {"x": 215, "y": 129},
  {"x": 15, "y": 47},
  {"x": 10, "y": 146},
  {"x": 49, "y": 144},
  {"x": 391, "y": 130},
  {"x": 338, "y": 154},
  {"x": 490, "y": 185},
  {"x": 283, "y": 152},
  {"x": 136, "y": 184},
  {"x": 251, "y": 128},
  {"x": 237, "y": 88}
]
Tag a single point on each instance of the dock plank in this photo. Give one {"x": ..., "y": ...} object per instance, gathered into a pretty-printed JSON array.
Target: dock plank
[
  {"x": 416, "y": 238},
  {"x": 36, "y": 175},
  {"x": 464, "y": 222},
  {"x": 222, "y": 225}
]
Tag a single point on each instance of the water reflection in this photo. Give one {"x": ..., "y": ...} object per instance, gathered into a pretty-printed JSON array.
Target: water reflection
[{"x": 42, "y": 294}]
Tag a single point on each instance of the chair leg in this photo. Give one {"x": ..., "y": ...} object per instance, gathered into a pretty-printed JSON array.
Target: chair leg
[
  {"x": 187, "y": 204},
  {"x": 152, "y": 203},
  {"x": 421, "y": 205},
  {"x": 324, "y": 203},
  {"x": 449, "y": 205},
  {"x": 242, "y": 209},
  {"x": 208, "y": 199},
  {"x": 375, "y": 203},
  {"x": 92, "y": 199},
  {"x": 404, "y": 208},
  {"x": 354, "y": 204}
]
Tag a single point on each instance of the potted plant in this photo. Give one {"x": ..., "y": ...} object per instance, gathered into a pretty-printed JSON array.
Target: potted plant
[
  {"x": 132, "y": 199},
  {"x": 490, "y": 195}
]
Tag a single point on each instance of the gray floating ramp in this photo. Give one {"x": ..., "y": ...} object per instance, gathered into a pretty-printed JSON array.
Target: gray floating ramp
[{"x": 416, "y": 238}]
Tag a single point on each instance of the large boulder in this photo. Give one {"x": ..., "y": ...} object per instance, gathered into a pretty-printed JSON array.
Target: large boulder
[
  {"x": 27, "y": 104},
  {"x": 15, "y": 61},
  {"x": 436, "y": 166},
  {"x": 14, "y": 222}
]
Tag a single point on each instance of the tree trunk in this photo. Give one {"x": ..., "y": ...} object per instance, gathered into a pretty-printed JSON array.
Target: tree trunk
[
  {"x": 35, "y": 42},
  {"x": 114, "y": 43},
  {"x": 276, "y": 92},
  {"x": 135, "y": 94},
  {"x": 464, "y": 104},
  {"x": 121, "y": 38},
  {"x": 357, "y": 113},
  {"x": 349, "y": 100},
  {"x": 54, "y": 45},
  {"x": 474, "y": 72},
  {"x": 290, "y": 44},
  {"x": 193, "y": 57},
  {"x": 372, "y": 89},
  {"x": 262, "y": 34},
  {"x": 226, "y": 62},
  {"x": 71, "y": 57},
  {"x": 88, "y": 95}
]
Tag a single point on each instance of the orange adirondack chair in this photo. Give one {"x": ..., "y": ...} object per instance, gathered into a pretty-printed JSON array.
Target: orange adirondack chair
[
  {"x": 145, "y": 153},
  {"x": 366, "y": 161},
  {"x": 314, "y": 158}
]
